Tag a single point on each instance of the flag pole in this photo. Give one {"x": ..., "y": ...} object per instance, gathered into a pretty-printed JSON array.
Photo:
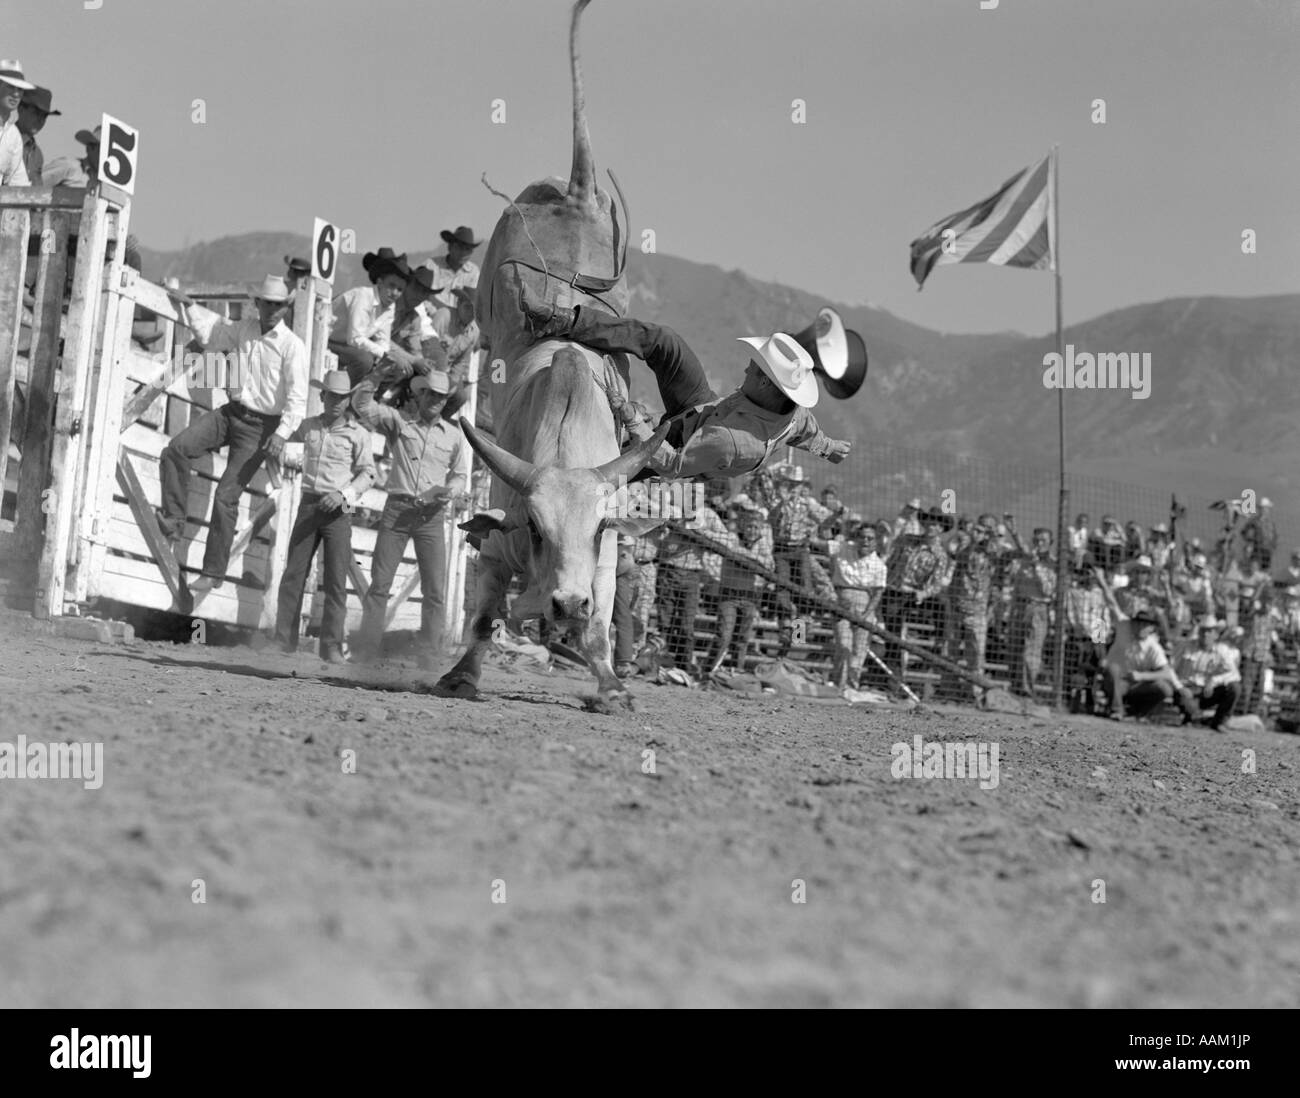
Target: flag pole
[{"x": 1063, "y": 500}]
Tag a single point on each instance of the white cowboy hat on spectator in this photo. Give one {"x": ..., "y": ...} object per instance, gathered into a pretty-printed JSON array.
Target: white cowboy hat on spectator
[
  {"x": 274, "y": 289},
  {"x": 913, "y": 504},
  {"x": 1208, "y": 623},
  {"x": 1142, "y": 561},
  {"x": 1266, "y": 502},
  {"x": 11, "y": 72},
  {"x": 792, "y": 473},
  {"x": 334, "y": 381},
  {"x": 1160, "y": 528},
  {"x": 788, "y": 365},
  {"x": 435, "y": 381}
]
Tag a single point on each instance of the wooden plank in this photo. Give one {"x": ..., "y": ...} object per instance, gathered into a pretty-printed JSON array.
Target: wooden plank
[
  {"x": 43, "y": 198},
  {"x": 155, "y": 298},
  {"x": 99, "y": 474},
  {"x": 15, "y": 228},
  {"x": 65, "y": 442},
  {"x": 122, "y": 534},
  {"x": 43, "y": 363},
  {"x": 148, "y": 524},
  {"x": 149, "y": 444},
  {"x": 161, "y": 381},
  {"x": 359, "y": 581},
  {"x": 140, "y": 584}
]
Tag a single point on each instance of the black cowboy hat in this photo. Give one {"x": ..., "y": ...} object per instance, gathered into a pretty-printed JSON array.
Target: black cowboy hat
[
  {"x": 423, "y": 277},
  {"x": 1145, "y": 617},
  {"x": 943, "y": 521},
  {"x": 40, "y": 98},
  {"x": 385, "y": 261},
  {"x": 297, "y": 266},
  {"x": 463, "y": 235}
]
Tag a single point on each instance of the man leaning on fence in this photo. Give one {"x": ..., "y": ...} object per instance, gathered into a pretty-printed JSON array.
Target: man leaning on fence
[
  {"x": 268, "y": 398},
  {"x": 337, "y": 467},
  {"x": 426, "y": 451}
]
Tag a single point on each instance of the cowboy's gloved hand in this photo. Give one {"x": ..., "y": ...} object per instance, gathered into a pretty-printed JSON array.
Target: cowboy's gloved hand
[{"x": 838, "y": 451}]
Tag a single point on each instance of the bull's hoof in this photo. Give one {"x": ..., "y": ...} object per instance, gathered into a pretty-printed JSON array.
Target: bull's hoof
[
  {"x": 456, "y": 686},
  {"x": 609, "y": 703}
]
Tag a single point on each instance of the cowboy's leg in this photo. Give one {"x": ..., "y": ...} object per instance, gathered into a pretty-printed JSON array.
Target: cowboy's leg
[
  {"x": 390, "y": 545},
  {"x": 336, "y": 534},
  {"x": 624, "y": 644},
  {"x": 248, "y": 433},
  {"x": 727, "y": 612},
  {"x": 747, "y": 614},
  {"x": 677, "y": 371},
  {"x": 430, "y": 538},
  {"x": 297, "y": 566},
  {"x": 209, "y": 432}
]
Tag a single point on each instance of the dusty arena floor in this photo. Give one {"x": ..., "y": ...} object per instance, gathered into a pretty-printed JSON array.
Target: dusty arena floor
[{"x": 621, "y": 888}]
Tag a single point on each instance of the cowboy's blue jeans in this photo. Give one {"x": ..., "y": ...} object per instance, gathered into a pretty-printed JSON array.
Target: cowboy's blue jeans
[{"x": 677, "y": 371}]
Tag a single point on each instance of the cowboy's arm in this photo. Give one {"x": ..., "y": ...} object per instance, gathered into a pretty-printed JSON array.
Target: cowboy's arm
[
  {"x": 363, "y": 468},
  {"x": 708, "y": 453},
  {"x": 807, "y": 435},
  {"x": 377, "y": 417}
]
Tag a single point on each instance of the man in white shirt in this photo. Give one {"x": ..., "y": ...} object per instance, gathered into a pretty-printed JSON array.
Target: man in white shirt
[
  {"x": 1138, "y": 677},
  {"x": 363, "y": 315},
  {"x": 267, "y": 386},
  {"x": 13, "y": 171}
]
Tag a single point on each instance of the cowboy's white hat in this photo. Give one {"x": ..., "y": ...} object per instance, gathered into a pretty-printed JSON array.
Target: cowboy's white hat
[
  {"x": 11, "y": 72},
  {"x": 273, "y": 288},
  {"x": 788, "y": 365}
]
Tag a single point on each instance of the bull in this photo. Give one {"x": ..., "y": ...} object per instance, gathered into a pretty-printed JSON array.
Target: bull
[{"x": 558, "y": 474}]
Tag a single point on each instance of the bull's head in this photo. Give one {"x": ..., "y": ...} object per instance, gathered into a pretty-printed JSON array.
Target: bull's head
[{"x": 569, "y": 513}]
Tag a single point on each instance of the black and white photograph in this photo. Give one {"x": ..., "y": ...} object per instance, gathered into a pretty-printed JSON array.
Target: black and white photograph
[{"x": 651, "y": 504}]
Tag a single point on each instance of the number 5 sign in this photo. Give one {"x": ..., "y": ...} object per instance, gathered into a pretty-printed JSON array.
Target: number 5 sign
[
  {"x": 324, "y": 250},
  {"x": 119, "y": 146}
]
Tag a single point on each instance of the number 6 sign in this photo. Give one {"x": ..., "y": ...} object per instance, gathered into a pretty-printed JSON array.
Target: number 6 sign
[
  {"x": 324, "y": 250},
  {"x": 119, "y": 146}
]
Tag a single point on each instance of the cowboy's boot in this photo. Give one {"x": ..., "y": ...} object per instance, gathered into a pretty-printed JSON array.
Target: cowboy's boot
[{"x": 590, "y": 327}]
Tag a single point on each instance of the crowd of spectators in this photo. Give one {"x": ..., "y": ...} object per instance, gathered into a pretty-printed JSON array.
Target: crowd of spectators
[{"x": 973, "y": 588}]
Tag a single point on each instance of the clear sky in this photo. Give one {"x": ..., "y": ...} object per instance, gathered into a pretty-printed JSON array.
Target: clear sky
[{"x": 378, "y": 115}]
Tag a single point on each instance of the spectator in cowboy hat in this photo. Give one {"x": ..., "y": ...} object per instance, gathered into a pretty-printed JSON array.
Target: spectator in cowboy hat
[
  {"x": 1138, "y": 679},
  {"x": 33, "y": 112},
  {"x": 295, "y": 270},
  {"x": 451, "y": 272},
  {"x": 794, "y": 519},
  {"x": 1210, "y": 676},
  {"x": 424, "y": 478},
  {"x": 268, "y": 402},
  {"x": 1260, "y": 533},
  {"x": 363, "y": 315},
  {"x": 13, "y": 85},
  {"x": 337, "y": 467},
  {"x": 414, "y": 347},
  {"x": 908, "y": 521}
]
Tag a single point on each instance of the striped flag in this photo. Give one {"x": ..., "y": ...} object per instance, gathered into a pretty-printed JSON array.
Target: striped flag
[{"x": 1012, "y": 228}]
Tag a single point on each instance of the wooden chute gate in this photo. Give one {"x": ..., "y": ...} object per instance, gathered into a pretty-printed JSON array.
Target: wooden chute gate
[{"x": 86, "y": 410}]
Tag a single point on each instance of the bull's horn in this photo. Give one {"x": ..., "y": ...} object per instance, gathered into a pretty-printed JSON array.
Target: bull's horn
[
  {"x": 514, "y": 471},
  {"x": 629, "y": 464},
  {"x": 582, "y": 173}
]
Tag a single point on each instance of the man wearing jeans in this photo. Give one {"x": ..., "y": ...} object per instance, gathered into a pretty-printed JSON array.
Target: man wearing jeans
[
  {"x": 338, "y": 466},
  {"x": 426, "y": 450},
  {"x": 267, "y": 385}
]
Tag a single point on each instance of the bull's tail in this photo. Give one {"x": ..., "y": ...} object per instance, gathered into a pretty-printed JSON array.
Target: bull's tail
[{"x": 582, "y": 173}]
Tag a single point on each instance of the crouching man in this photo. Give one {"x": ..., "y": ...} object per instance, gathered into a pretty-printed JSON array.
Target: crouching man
[
  {"x": 1138, "y": 678},
  {"x": 337, "y": 467},
  {"x": 1211, "y": 676}
]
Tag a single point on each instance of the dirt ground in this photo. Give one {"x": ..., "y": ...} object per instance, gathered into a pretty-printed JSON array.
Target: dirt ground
[{"x": 621, "y": 888}]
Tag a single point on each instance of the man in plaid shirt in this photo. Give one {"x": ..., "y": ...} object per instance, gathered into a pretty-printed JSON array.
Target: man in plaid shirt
[
  {"x": 794, "y": 518},
  {"x": 918, "y": 571},
  {"x": 1087, "y": 630},
  {"x": 968, "y": 599}
]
